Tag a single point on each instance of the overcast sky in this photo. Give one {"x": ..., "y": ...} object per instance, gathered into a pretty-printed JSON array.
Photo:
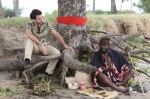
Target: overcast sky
[{"x": 51, "y": 5}]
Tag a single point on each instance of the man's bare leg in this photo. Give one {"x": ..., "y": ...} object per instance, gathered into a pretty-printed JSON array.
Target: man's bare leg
[
  {"x": 102, "y": 78},
  {"x": 127, "y": 77}
]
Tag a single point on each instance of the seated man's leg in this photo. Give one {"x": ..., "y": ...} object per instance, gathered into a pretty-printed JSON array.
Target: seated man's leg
[
  {"x": 30, "y": 48},
  {"x": 127, "y": 77},
  {"x": 52, "y": 64},
  {"x": 102, "y": 78}
]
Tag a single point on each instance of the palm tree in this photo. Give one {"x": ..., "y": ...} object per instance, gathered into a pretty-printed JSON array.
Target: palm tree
[
  {"x": 93, "y": 6},
  {"x": 16, "y": 7},
  {"x": 131, "y": 5},
  {"x": 113, "y": 7},
  {"x": 1, "y": 11}
]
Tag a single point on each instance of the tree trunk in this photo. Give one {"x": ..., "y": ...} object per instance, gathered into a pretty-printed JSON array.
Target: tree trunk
[
  {"x": 2, "y": 43},
  {"x": 16, "y": 7},
  {"x": 16, "y": 61},
  {"x": 1, "y": 11},
  {"x": 121, "y": 6},
  {"x": 93, "y": 6},
  {"x": 74, "y": 35},
  {"x": 131, "y": 6},
  {"x": 113, "y": 7}
]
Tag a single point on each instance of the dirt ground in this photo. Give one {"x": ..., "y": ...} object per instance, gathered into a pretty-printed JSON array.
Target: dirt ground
[{"x": 62, "y": 92}]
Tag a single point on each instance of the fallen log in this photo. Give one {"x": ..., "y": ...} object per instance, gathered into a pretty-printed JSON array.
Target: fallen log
[
  {"x": 76, "y": 64},
  {"x": 16, "y": 62}
]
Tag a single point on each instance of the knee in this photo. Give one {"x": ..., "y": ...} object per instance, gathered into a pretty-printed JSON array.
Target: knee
[
  {"x": 101, "y": 75},
  {"x": 132, "y": 71},
  {"x": 52, "y": 50},
  {"x": 57, "y": 52}
]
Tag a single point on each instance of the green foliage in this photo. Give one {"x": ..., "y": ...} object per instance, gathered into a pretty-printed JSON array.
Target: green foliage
[
  {"x": 130, "y": 82},
  {"x": 145, "y": 54},
  {"x": 10, "y": 12},
  {"x": 85, "y": 60},
  {"x": 133, "y": 61},
  {"x": 137, "y": 83},
  {"x": 102, "y": 12},
  {"x": 94, "y": 22},
  {"x": 51, "y": 17},
  {"x": 54, "y": 14},
  {"x": 135, "y": 43},
  {"x": 144, "y": 5},
  {"x": 145, "y": 70},
  {"x": 126, "y": 12},
  {"x": 43, "y": 88},
  {"x": 13, "y": 22},
  {"x": 22, "y": 21},
  {"x": 8, "y": 91}
]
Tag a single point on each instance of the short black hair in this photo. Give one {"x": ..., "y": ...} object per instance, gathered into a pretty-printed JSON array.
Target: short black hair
[
  {"x": 104, "y": 41},
  {"x": 34, "y": 13}
]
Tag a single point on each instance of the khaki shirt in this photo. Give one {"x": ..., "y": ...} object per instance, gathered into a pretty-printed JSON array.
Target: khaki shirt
[{"x": 42, "y": 33}]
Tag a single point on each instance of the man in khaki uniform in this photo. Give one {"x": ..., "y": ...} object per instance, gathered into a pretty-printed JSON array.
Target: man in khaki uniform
[{"x": 37, "y": 42}]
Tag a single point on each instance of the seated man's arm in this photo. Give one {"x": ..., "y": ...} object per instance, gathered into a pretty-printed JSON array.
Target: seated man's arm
[
  {"x": 58, "y": 36},
  {"x": 60, "y": 39},
  {"x": 32, "y": 37}
]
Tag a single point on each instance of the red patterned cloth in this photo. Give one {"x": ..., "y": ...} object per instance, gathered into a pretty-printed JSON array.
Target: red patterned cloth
[
  {"x": 71, "y": 20},
  {"x": 117, "y": 77}
]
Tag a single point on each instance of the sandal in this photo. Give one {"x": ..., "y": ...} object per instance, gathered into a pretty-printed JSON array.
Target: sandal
[{"x": 138, "y": 88}]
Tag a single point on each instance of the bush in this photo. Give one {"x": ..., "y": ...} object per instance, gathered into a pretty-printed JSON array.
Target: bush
[
  {"x": 102, "y": 12},
  {"x": 126, "y": 12},
  {"x": 10, "y": 12},
  {"x": 109, "y": 12}
]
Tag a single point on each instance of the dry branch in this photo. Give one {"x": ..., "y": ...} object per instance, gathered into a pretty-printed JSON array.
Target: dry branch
[
  {"x": 141, "y": 51},
  {"x": 135, "y": 56},
  {"x": 128, "y": 36}
]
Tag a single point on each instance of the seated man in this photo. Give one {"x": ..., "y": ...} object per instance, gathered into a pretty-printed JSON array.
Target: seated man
[
  {"x": 113, "y": 70},
  {"x": 37, "y": 31}
]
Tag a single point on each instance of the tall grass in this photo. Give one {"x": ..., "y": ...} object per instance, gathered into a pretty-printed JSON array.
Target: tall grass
[
  {"x": 21, "y": 21},
  {"x": 118, "y": 23},
  {"x": 13, "y": 22}
]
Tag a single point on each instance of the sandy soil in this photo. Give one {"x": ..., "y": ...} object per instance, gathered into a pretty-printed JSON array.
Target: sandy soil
[
  {"x": 64, "y": 93},
  {"x": 18, "y": 38}
]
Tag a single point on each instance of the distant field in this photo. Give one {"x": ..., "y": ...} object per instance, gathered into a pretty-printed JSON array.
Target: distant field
[{"x": 120, "y": 23}]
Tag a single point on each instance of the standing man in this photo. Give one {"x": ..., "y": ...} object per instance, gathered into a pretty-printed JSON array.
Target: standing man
[
  {"x": 113, "y": 69},
  {"x": 37, "y": 32}
]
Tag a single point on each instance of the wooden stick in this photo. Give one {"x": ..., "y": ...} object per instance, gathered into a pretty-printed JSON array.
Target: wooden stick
[{"x": 136, "y": 73}]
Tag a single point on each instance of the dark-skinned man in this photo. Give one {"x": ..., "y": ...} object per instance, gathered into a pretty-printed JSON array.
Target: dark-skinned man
[{"x": 113, "y": 70}]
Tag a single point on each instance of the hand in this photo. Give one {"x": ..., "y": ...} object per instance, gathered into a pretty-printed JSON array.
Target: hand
[
  {"x": 44, "y": 49},
  {"x": 69, "y": 47},
  {"x": 110, "y": 69}
]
